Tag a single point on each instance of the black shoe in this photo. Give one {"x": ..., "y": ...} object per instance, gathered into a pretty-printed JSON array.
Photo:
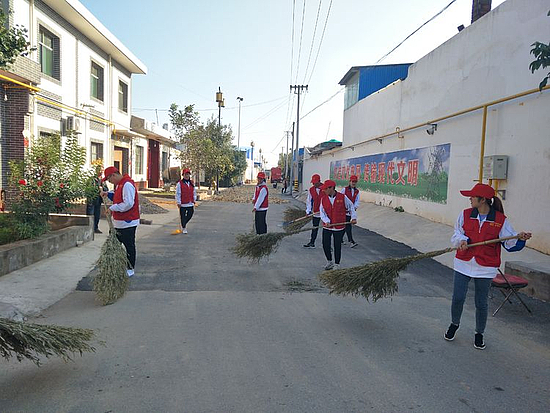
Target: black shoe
[
  {"x": 353, "y": 244},
  {"x": 309, "y": 245},
  {"x": 478, "y": 341},
  {"x": 97, "y": 231},
  {"x": 451, "y": 331}
]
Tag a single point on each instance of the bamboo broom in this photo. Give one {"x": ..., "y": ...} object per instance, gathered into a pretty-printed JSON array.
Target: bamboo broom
[
  {"x": 295, "y": 219},
  {"x": 111, "y": 281},
  {"x": 29, "y": 341},
  {"x": 378, "y": 279},
  {"x": 255, "y": 247}
]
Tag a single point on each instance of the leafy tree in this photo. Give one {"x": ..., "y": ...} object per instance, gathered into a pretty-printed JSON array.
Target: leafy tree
[
  {"x": 13, "y": 42},
  {"x": 541, "y": 51}
]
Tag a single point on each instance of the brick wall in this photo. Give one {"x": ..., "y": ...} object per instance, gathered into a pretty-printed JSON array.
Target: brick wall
[{"x": 14, "y": 120}]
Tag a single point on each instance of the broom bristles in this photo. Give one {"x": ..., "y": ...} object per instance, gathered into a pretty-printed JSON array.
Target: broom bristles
[
  {"x": 27, "y": 340},
  {"x": 374, "y": 280},
  {"x": 111, "y": 281},
  {"x": 292, "y": 214},
  {"x": 255, "y": 247}
]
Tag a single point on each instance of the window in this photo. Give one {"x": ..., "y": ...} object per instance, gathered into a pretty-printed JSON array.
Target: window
[
  {"x": 123, "y": 96},
  {"x": 96, "y": 82},
  {"x": 164, "y": 165},
  {"x": 97, "y": 151},
  {"x": 139, "y": 160},
  {"x": 48, "y": 49},
  {"x": 351, "y": 94}
]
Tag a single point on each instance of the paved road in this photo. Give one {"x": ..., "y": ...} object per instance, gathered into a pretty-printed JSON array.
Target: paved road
[{"x": 200, "y": 331}]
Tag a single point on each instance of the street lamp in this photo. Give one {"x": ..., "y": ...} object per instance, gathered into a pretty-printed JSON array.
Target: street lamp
[
  {"x": 239, "y": 130},
  {"x": 221, "y": 104},
  {"x": 252, "y": 156}
]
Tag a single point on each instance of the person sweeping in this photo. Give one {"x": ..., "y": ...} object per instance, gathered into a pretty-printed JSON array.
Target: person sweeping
[
  {"x": 484, "y": 221},
  {"x": 261, "y": 204},
  {"x": 124, "y": 211},
  {"x": 352, "y": 193},
  {"x": 313, "y": 204},
  {"x": 186, "y": 196},
  {"x": 333, "y": 209}
]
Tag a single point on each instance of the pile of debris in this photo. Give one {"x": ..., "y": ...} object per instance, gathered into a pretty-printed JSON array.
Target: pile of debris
[
  {"x": 148, "y": 207},
  {"x": 243, "y": 194}
]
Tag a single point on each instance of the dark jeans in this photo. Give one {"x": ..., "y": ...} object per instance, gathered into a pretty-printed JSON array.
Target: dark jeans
[
  {"x": 348, "y": 229},
  {"x": 338, "y": 236},
  {"x": 316, "y": 222},
  {"x": 260, "y": 222},
  {"x": 128, "y": 238},
  {"x": 460, "y": 290},
  {"x": 186, "y": 213},
  {"x": 95, "y": 210}
]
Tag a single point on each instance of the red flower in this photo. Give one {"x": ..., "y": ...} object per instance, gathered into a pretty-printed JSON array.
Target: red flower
[
  {"x": 40, "y": 183},
  {"x": 22, "y": 182},
  {"x": 61, "y": 185}
]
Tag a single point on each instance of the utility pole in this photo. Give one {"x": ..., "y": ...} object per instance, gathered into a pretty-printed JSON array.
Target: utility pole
[
  {"x": 285, "y": 173},
  {"x": 291, "y": 164},
  {"x": 221, "y": 104},
  {"x": 239, "y": 130},
  {"x": 298, "y": 89}
]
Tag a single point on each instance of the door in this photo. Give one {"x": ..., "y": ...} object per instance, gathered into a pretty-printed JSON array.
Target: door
[{"x": 153, "y": 164}]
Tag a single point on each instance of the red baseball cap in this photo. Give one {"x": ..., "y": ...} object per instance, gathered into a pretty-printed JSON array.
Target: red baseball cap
[
  {"x": 108, "y": 172},
  {"x": 353, "y": 178},
  {"x": 185, "y": 171},
  {"x": 482, "y": 190},
  {"x": 261, "y": 175},
  {"x": 315, "y": 178},
  {"x": 328, "y": 184}
]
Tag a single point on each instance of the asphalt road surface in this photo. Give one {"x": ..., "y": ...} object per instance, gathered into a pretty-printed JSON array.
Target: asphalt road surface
[{"x": 201, "y": 331}]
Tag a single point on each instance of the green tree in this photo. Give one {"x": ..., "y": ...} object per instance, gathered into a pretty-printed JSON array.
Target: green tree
[
  {"x": 13, "y": 42},
  {"x": 541, "y": 51}
]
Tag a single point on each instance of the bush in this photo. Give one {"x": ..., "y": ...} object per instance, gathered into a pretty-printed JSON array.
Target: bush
[{"x": 8, "y": 229}]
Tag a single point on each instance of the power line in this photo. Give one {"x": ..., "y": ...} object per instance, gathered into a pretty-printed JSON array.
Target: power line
[
  {"x": 320, "y": 42},
  {"x": 321, "y": 104},
  {"x": 312, "y": 40},
  {"x": 265, "y": 115},
  {"x": 301, "y": 35},
  {"x": 406, "y": 38}
]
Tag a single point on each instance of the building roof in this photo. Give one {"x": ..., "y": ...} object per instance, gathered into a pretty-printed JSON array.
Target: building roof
[
  {"x": 81, "y": 18},
  {"x": 355, "y": 69}
]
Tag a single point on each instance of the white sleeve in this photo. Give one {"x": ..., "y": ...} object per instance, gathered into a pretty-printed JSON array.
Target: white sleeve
[
  {"x": 508, "y": 231},
  {"x": 324, "y": 216},
  {"x": 459, "y": 234},
  {"x": 261, "y": 197},
  {"x": 350, "y": 208},
  {"x": 308, "y": 203},
  {"x": 128, "y": 198},
  {"x": 194, "y": 194},
  {"x": 178, "y": 193},
  {"x": 357, "y": 199}
]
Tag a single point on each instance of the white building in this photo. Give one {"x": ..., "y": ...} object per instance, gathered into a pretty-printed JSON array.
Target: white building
[
  {"x": 462, "y": 91},
  {"x": 79, "y": 77}
]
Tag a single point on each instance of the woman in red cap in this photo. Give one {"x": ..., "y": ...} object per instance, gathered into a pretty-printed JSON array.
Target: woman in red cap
[
  {"x": 352, "y": 193},
  {"x": 186, "y": 196},
  {"x": 125, "y": 211},
  {"x": 261, "y": 204},
  {"x": 333, "y": 209},
  {"x": 484, "y": 221},
  {"x": 313, "y": 204}
]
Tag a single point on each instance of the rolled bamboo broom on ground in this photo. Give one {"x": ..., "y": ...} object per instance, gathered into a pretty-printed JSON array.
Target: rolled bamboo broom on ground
[
  {"x": 30, "y": 341},
  {"x": 255, "y": 247},
  {"x": 378, "y": 279},
  {"x": 111, "y": 281}
]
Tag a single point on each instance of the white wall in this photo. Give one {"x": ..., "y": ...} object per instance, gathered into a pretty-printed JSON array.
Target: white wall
[{"x": 486, "y": 61}]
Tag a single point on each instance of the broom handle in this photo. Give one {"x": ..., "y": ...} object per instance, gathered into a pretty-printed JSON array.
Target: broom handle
[
  {"x": 107, "y": 213},
  {"x": 310, "y": 228},
  {"x": 491, "y": 241},
  {"x": 298, "y": 219}
]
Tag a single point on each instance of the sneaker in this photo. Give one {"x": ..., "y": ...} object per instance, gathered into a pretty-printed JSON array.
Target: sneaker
[
  {"x": 184, "y": 231},
  {"x": 130, "y": 272},
  {"x": 451, "y": 331},
  {"x": 329, "y": 265},
  {"x": 343, "y": 242},
  {"x": 97, "y": 231},
  {"x": 353, "y": 244},
  {"x": 478, "y": 341},
  {"x": 336, "y": 267},
  {"x": 309, "y": 245}
]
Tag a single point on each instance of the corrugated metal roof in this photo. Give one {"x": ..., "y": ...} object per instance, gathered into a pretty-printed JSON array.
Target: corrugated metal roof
[{"x": 374, "y": 78}]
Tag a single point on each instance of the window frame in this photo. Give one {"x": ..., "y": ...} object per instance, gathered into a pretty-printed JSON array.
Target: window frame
[
  {"x": 100, "y": 79},
  {"x": 53, "y": 49},
  {"x": 125, "y": 94},
  {"x": 140, "y": 155}
]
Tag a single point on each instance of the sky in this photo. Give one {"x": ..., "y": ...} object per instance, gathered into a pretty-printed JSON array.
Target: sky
[{"x": 255, "y": 49}]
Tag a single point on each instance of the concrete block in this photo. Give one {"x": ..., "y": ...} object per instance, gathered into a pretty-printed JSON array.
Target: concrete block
[{"x": 538, "y": 275}]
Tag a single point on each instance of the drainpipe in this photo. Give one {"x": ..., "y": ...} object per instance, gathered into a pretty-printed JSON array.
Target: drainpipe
[
  {"x": 482, "y": 149},
  {"x": 110, "y": 149}
]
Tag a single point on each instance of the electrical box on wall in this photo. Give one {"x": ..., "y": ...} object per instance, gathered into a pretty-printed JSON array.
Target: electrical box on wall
[{"x": 495, "y": 167}]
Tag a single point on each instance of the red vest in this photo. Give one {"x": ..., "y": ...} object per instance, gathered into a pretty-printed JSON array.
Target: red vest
[
  {"x": 132, "y": 213},
  {"x": 352, "y": 197},
  {"x": 264, "y": 204},
  {"x": 316, "y": 197},
  {"x": 187, "y": 192},
  {"x": 337, "y": 211},
  {"x": 485, "y": 255}
]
